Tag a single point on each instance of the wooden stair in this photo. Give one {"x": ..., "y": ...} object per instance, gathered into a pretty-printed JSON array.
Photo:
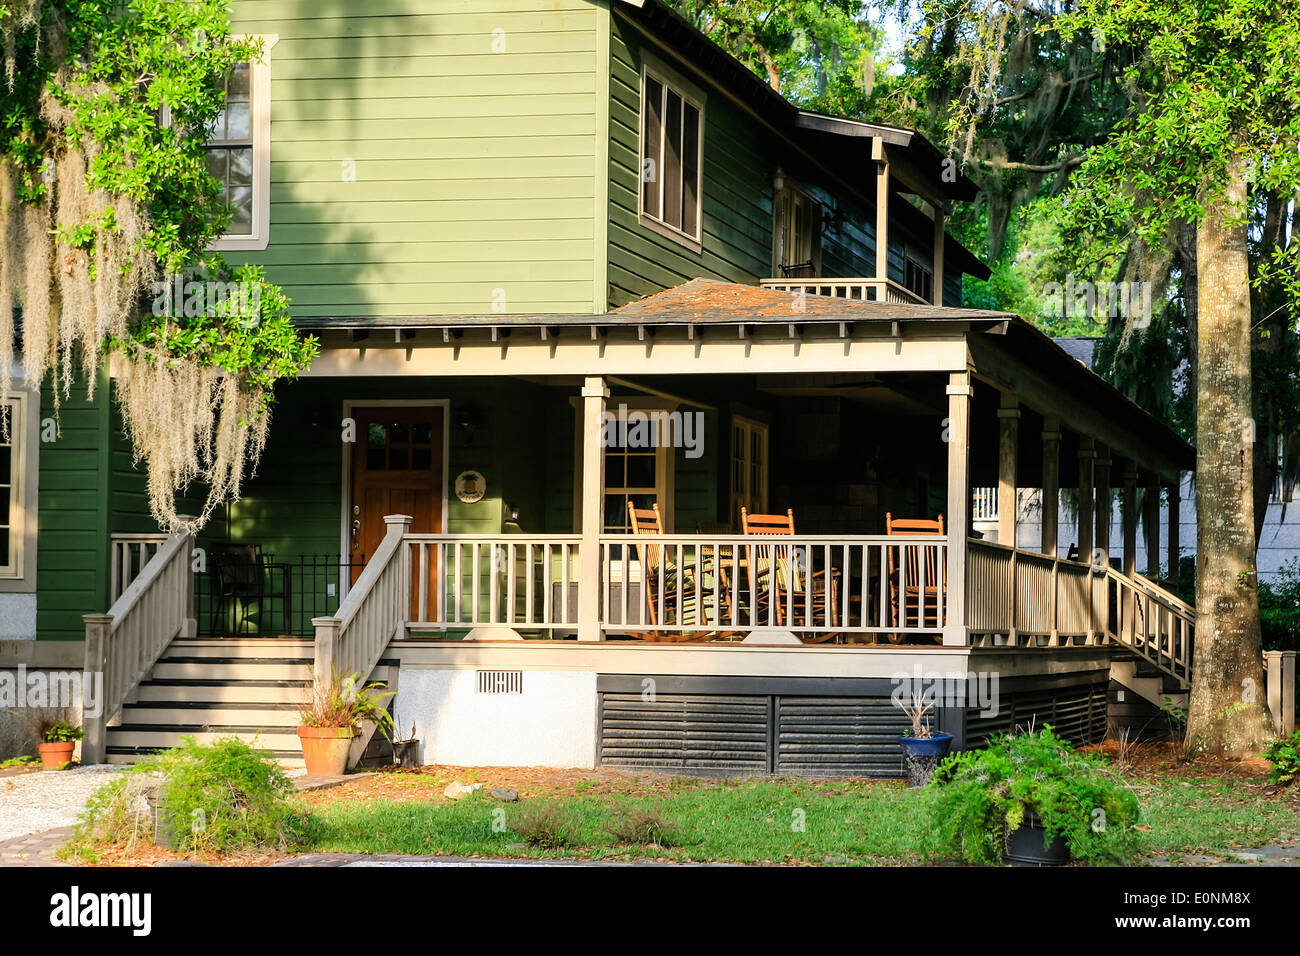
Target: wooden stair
[{"x": 209, "y": 689}]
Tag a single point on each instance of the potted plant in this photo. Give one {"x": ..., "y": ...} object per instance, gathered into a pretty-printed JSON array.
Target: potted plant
[
  {"x": 332, "y": 719},
  {"x": 1030, "y": 799},
  {"x": 923, "y": 748},
  {"x": 406, "y": 753},
  {"x": 58, "y": 739}
]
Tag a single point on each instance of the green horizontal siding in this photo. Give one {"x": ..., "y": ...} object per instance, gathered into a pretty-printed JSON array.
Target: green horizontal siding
[
  {"x": 736, "y": 204},
  {"x": 475, "y": 171},
  {"x": 72, "y": 518}
]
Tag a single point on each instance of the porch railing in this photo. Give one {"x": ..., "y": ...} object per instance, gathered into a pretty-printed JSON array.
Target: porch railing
[
  {"x": 351, "y": 640},
  {"x": 815, "y": 586},
  {"x": 122, "y": 646},
  {"x": 984, "y": 504},
  {"x": 1026, "y": 596},
  {"x": 515, "y": 581},
  {"x": 130, "y": 553},
  {"x": 861, "y": 289}
]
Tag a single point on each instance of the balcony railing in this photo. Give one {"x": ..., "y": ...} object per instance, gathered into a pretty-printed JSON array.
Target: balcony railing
[{"x": 863, "y": 290}]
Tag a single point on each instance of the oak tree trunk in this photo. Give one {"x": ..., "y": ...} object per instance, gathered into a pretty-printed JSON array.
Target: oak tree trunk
[{"x": 1228, "y": 713}]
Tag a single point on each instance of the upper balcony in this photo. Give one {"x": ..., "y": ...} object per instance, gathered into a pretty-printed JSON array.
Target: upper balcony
[{"x": 862, "y": 289}]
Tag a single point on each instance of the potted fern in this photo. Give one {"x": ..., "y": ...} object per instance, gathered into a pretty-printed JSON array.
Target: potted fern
[
  {"x": 331, "y": 720},
  {"x": 58, "y": 740}
]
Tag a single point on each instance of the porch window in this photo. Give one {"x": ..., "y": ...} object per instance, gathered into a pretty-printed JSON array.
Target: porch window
[
  {"x": 918, "y": 279},
  {"x": 798, "y": 233},
  {"x": 238, "y": 153},
  {"x": 636, "y": 475},
  {"x": 12, "y": 449},
  {"x": 672, "y": 154},
  {"x": 748, "y": 467}
]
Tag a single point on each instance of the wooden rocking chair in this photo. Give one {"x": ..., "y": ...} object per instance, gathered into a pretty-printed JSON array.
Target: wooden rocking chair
[
  {"x": 789, "y": 577},
  {"x": 662, "y": 581},
  {"x": 914, "y": 606}
]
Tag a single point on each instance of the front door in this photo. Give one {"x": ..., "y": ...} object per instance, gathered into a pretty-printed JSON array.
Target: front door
[{"x": 396, "y": 469}]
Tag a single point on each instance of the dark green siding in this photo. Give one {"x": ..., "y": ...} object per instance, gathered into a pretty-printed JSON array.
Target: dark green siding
[
  {"x": 737, "y": 192},
  {"x": 72, "y": 522}
]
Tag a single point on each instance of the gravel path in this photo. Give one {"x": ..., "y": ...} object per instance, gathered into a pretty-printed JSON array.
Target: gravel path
[{"x": 32, "y": 802}]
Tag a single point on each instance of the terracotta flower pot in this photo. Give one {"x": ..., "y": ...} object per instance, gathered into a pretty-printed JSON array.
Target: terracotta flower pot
[
  {"x": 56, "y": 755},
  {"x": 325, "y": 749}
]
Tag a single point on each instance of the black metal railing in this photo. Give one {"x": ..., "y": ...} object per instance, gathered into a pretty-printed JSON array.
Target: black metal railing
[{"x": 245, "y": 593}]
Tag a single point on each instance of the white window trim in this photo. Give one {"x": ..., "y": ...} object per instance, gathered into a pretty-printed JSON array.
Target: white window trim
[
  {"x": 694, "y": 95},
  {"x": 788, "y": 189},
  {"x": 20, "y": 576},
  {"x": 260, "y": 88},
  {"x": 749, "y": 425}
]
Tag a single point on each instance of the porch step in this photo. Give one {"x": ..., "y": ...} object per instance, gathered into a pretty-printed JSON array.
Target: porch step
[{"x": 211, "y": 689}]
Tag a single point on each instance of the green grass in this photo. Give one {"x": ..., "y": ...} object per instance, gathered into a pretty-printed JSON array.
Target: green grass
[{"x": 773, "y": 821}]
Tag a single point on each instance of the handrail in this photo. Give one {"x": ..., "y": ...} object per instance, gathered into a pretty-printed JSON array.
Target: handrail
[
  {"x": 352, "y": 640},
  {"x": 123, "y": 644}
]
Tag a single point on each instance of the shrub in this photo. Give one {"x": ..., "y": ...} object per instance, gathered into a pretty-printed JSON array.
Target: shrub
[
  {"x": 221, "y": 797},
  {"x": 1279, "y": 608},
  {"x": 1283, "y": 756},
  {"x": 644, "y": 826},
  {"x": 981, "y": 794},
  {"x": 547, "y": 824}
]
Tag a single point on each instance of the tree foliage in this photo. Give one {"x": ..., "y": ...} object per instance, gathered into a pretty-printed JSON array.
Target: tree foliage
[{"x": 105, "y": 197}]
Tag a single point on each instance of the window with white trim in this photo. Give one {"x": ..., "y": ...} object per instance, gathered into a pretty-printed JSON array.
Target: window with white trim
[
  {"x": 798, "y": 233},
  {"x": 672, "y": 154},
  {"x": 12, "y": 489},
  {"x": 238, "y": 153}
]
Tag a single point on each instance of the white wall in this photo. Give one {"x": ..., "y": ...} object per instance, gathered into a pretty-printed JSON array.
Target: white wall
[{"x": 551, "y": 724}]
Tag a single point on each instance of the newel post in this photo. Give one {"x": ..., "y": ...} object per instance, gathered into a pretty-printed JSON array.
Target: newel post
[
  {"x": 325, "y": 660},
  {"x": 94, "y": 716},
  {"x": 191, "y": 626}
]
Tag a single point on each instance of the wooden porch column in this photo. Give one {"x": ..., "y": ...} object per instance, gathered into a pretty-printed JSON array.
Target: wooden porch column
[
  {"x": 94, "y": 677},
  {"x": 1151, "y": 525},
  {"x": 1175, "y": 507},
  {"x": 938, "y": 255},
  {"x": 594, "y": 394},
  {"x": 1130, "y": 519},
  {"x": 1051, "y": 484},
  {"x": 1101, "y": 476},
  {"x": 1008, "y": 457},
  {"x": 959, "y": 506},
  {"x": 1086, "y": 455},
  {"x": 882, "y": 210}
]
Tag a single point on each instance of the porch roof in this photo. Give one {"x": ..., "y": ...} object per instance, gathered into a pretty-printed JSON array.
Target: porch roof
[{"x": 1002, "y": 347}]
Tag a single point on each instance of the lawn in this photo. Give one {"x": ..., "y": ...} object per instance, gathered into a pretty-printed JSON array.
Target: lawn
[{"x": 1185, "y": 809}]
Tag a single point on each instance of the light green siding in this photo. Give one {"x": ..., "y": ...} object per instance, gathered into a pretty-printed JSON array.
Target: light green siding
[{"x": 475, "y": 171}]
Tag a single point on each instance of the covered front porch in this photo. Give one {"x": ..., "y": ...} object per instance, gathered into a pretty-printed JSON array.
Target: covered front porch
[{"x": 739, "y": 478}]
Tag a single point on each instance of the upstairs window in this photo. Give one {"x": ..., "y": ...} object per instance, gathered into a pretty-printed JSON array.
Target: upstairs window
[
  {"x": 238, "y": 153},
  {"x": 798, "y": 233},
  {"x": 672, "y": 141},
  {"x": 918, "y": 279}
]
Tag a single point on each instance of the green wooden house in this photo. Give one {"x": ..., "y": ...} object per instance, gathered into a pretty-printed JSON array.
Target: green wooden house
[{"x": 529, "y": 234}]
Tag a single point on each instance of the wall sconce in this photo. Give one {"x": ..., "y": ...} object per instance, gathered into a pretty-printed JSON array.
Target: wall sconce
[
  {"x": 833, "y": 220},
  {"x": 465, "y": 421}
]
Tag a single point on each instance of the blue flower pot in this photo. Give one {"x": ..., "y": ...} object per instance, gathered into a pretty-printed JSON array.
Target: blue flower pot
[{"x": 921, "y": 755}]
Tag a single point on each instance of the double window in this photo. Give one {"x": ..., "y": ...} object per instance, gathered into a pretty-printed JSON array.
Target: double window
[
  {"x": 672, "y": 139},
  {"x": 918, "y": 279}
]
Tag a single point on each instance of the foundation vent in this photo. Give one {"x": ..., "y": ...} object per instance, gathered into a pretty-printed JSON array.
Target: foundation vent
[{"x": 500, "y": 682}]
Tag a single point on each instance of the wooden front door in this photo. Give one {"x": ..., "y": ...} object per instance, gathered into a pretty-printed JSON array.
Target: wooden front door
[{"x": 396, "y": 469}]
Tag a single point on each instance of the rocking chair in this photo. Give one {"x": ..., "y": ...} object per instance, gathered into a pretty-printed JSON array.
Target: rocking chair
[
  {"x": 790, "y": 577},
  {"x": 911, "y": 604},
  {"x": 675, "y": 595}
]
